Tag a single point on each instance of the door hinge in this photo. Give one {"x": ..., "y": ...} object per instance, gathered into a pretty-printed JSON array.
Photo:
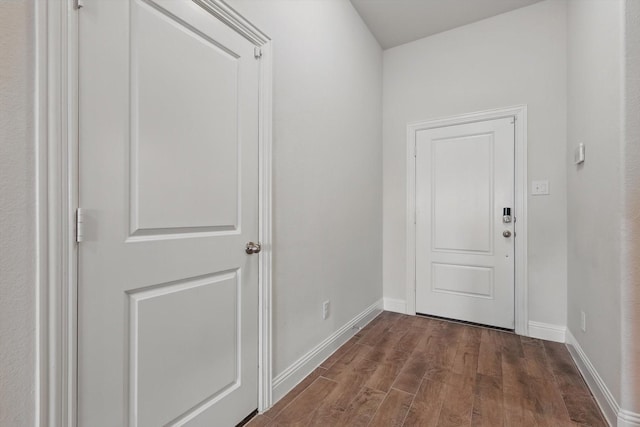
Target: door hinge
[
  {"x": 257, "y": 52},
  {"x": 77, "y": 4},
  {"x": 79, "y": 225}
]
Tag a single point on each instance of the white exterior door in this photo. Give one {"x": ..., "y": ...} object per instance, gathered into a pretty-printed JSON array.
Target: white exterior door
[
  {"x": 464, "y": 262},
  {"x": 168, "y": 184}
]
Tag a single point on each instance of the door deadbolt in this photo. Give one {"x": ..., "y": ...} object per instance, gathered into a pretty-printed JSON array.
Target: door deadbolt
[
  {"x": 506, "y": 215},
  {"x": 253, "y": 248},
  {"x": 506, "y": 233}
]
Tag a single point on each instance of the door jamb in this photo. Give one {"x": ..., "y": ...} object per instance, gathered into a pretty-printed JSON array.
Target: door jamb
[
  {"x": 56, "y": 126},
  {"x": 519, "y": 112}
]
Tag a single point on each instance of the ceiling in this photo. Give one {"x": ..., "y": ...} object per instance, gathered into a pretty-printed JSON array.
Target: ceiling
[{"x": 395, "y": 22}]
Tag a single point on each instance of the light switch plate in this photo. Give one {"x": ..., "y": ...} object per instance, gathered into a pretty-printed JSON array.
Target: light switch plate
[{"x": 539, "y": 188}]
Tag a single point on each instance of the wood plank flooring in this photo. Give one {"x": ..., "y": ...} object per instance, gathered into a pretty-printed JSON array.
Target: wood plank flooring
[{"x": 415, "y": 371}]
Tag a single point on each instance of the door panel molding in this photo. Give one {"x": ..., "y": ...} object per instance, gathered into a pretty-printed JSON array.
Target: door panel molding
[
  {"x": 56, "y": 143},
  {"x": 202, "y": 288},
  {"x": 519, "y": 112}
]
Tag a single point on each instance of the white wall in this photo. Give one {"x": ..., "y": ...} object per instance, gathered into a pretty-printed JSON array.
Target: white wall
[
  {"x": 594, "y": 189},
  {"x": 604, "y": 199},
  {"x": 327, "y": 168},
  {"x": 515, "y": 58},
  {"x": 630, "y": 296},
  {"x": 17, "y": 219}
]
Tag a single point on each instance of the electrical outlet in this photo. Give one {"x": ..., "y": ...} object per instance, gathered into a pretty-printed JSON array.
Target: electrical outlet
[
  {"x": 583, "y": 321},
  {"x": 325, "y": 310}
]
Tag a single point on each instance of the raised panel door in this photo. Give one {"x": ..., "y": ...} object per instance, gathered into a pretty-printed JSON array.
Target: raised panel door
[
  {"x": 168, "y": 165},
  {"x": 464, "y": 263}
]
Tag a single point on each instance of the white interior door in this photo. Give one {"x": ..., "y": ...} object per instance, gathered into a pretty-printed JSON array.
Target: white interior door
[
  {"x": 464, "y": 262},
  {"x": 168, "y": 183}
]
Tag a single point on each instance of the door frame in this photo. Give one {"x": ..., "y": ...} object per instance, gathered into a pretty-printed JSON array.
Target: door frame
[
  {"x": 519, "y": 113},
  {"x": 56, "y": 157}
]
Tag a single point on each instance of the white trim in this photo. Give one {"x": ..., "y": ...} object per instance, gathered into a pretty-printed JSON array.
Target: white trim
[
  {"x": 298, "y": 370},
  {"x": 265, "y": 208},
  {"x": 521, "y": 277},
  {"x": 56, "y": 201},
  {"x": 56, "y": 70},
  {"x": 628, "y": 419},
  {"x": 395, "y": 305},
  {"x": 547, "y": 331},
  {"x": 614, "y": 415},
  {"x": 233, "y": 19},
  {"x": 601, "y": 392}
]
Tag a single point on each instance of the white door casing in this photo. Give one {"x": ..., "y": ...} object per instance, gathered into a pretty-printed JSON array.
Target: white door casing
[
  {"x": 168, "y": 300},
  {"x": 519, "y": 115},
  {"x": 464, "y": 263}
]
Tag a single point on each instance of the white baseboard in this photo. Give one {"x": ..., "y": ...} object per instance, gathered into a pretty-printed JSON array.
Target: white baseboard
[
  {"x": 628, "y": 419},
  {"x": 296, "y": 372},
  {"x": 610, "y": 408},
  {"x": 395, "y": 305},
  {"x": 599, "y": 389},
  {"x": 547, "y": 331}
]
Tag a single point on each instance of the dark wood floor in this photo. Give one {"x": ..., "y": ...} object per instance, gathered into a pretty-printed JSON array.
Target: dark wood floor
[{"x": 415, "y": 371}]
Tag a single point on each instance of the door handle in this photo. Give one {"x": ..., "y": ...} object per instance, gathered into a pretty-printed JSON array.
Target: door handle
[
  {"x": 253, "y": 248},
  {"x": 506, "y": 233}
]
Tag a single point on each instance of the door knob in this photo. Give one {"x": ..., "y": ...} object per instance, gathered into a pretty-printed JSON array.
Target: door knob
[
  {"x": 506, "y": 233},
  {"x": 253, "y": 248}
]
